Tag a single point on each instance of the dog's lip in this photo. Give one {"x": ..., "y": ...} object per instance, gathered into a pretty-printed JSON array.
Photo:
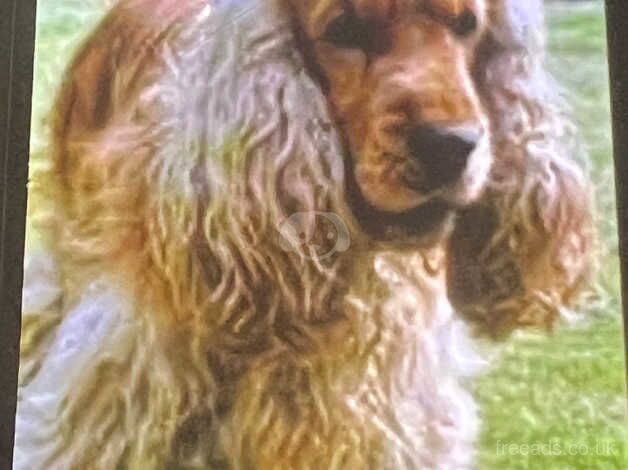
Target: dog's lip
[
  {"x": 454, "y": 194},
  {"x": 418, "y": 182},
  {"x": 427, "y": 217},
  {"x": 424, "y": 219}
]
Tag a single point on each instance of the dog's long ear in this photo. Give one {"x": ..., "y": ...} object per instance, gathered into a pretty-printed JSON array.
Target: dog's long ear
[{"x": 520, "y": 256}]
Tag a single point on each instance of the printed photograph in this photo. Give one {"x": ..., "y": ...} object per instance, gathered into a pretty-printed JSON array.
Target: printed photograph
[{"x": 321, "y": 234}]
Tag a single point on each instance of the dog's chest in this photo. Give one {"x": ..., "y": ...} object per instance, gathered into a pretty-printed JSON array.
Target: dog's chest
[{"x": 386, "y": 386}]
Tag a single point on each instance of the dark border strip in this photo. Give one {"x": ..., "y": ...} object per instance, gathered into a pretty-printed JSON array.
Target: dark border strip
[
  {"x": 17, "y": 37},
  {"x": 617, "y": 30}
]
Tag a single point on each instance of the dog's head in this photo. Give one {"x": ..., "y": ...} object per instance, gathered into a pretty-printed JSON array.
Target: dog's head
[
  {"x": 445, "y": 107},
  {"x": 399, "y": 79}
]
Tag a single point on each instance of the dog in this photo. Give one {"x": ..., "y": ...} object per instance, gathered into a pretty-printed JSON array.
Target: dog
[{"x": 276, "y": 226}]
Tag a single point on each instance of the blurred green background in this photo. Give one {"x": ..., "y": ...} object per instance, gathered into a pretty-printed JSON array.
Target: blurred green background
[
  {"x": 565, "y": 395},
  {"x": 553, "y": 402}
]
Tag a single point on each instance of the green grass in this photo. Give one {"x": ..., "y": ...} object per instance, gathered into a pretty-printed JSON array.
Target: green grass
[
  {"x": 550, "y": 393},
  {"x": 61, "y": 24},
  {"x": 564, "y": 396}
]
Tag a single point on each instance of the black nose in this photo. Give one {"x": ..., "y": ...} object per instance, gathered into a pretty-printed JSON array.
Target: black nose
[{"x": 442, "y": 153}]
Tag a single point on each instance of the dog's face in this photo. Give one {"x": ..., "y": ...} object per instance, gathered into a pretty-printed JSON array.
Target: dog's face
[{"x": 398, "y": 75}]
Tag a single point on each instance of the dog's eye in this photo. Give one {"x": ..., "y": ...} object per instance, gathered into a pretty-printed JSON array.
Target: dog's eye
[
  {"x": 465, "y": 24},
  {"x": 347, "y": 31}
]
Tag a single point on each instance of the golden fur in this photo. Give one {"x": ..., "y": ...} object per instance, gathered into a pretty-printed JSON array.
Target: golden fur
[{"x": 170, "y": 326}]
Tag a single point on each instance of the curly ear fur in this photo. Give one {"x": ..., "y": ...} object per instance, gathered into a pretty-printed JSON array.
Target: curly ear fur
[
  {"x": 524, "y": 251},
  {"x": 182, "y": 141},
  {"x": 160, "y": 160}
]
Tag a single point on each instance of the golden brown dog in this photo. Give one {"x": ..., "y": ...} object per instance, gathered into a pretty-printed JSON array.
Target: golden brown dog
[{"x": 269, "y": 212}]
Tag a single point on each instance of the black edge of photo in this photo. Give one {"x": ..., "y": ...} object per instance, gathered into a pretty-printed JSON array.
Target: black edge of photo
[
  {"x": 617, "y": 30},
  {"x": 17, "y": 37}
]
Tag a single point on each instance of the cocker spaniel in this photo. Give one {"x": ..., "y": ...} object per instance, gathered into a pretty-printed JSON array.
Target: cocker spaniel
[{"x": 270, "y": 219}]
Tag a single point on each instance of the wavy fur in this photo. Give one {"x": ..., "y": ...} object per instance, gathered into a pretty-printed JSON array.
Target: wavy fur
[{"x": 168, "y": 327}]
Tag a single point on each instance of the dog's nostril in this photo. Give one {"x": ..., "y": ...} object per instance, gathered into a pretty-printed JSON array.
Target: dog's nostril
[{"x": 442, "y": 153}]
